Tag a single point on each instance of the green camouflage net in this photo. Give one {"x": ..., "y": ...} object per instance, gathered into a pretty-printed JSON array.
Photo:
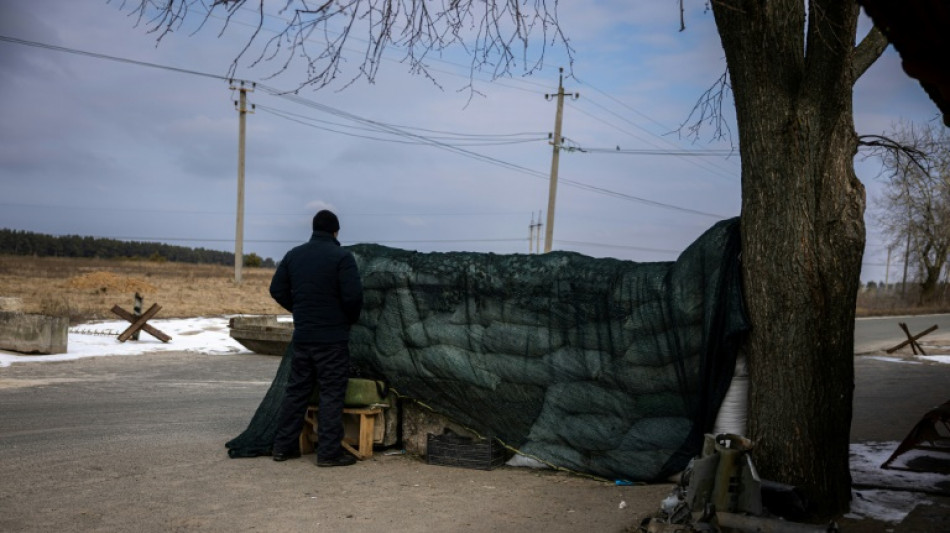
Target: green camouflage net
[{"x": 602, "y": 366}]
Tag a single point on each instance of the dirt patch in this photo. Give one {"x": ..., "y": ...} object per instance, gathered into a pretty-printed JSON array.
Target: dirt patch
[
  {"x": 85, "y": 289},
  {"x": 110, "y": 281}
]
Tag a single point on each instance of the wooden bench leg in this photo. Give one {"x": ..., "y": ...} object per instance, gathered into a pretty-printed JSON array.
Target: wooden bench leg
[
  {"x": 367, "y": 428},
  {"x": 349, "y": 447}
]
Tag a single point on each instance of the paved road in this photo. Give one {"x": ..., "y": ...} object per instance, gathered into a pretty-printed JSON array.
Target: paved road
[
  {"x": 879, "y": 333},
  {"x": 889, "y": 398},
  {"x": 136, "y": 444}
]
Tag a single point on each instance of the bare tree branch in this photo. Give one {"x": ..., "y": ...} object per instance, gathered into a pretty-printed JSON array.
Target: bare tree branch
[
  {"x": 708, "y": 111},
  {"x": 916, "y": 156},
  {"x": 499, "y": 37},
  {"x": 867, "y": 51}
]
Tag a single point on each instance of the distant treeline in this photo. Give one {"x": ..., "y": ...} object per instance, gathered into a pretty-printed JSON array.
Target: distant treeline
[{"x": 13, "y": 242}]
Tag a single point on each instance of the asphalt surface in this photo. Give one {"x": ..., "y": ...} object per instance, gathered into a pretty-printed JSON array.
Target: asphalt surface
[
  {"x": 137, "y": 444},
  {"x": 880, "y": 333}
]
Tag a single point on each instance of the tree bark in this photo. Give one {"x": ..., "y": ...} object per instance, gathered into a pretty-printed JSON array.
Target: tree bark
[{"x": 802, "y": 233}]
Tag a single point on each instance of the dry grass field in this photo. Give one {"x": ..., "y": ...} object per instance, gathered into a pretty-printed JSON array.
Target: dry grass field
[{"x": 86, "y": 289}]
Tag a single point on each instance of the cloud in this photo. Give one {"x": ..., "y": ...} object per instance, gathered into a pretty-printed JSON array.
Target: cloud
[{"x": 98, "y": 137}]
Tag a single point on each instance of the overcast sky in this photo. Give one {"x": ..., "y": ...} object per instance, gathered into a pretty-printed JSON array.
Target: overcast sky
[{"x": 106, "y": 148}]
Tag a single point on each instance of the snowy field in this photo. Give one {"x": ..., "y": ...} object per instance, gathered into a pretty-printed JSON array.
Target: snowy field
[{"x": 894, "y": 494}]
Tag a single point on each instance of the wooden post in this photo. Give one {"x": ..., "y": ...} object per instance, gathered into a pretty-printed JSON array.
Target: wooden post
[{"x": 137, "y": 312}]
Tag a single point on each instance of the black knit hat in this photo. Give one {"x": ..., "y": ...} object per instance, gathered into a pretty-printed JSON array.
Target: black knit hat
[{"x": 326, "y": 221}]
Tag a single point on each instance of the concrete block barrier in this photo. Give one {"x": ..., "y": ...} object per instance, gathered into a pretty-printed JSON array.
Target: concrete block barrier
[{"x": 32, "y": 333}]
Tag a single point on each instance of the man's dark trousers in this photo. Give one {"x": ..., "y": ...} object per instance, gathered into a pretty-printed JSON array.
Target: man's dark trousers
[{"x": 329, "y": 364}]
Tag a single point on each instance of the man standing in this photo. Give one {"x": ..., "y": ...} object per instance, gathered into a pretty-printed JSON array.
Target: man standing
[{"x": 320, "y": 284}]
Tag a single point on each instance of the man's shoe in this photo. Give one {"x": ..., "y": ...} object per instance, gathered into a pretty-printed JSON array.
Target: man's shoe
[
  {"x": 342, "y": 460},
  {"x": 286, "y": 455}
]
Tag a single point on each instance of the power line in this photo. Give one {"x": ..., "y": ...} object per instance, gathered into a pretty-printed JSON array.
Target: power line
[
  {"x": 481, "y": 157},
  {"x": 493, "y": 214},
  {"x": 496, "y": 81},
  {"x": 385, "y": 127},
  {"x": 675, "y": 152},
  {"x": 680, "y": 152},
  {"x": 483, "y": 140},
  {"x": 633, "y": 110},
  {"x": 375, "y": 241},
  {"x": 712, "y": 166},
  {"x": 442, "y": 241},
  {"x": 382, "y": 127},
  {"x": 446, "y": 134},
  {"x": 637, "y": 151},
  {"x": 293, "y": 241},
  {"x": 623, "y": 104},
  {"x": 75, "y": 51},
  {"x": 118, "y": 209},
  {"x": 714, "y": 170},
  {"x": 230, "y": 213}
]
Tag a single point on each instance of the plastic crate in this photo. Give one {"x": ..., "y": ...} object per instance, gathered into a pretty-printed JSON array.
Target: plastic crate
[{"x": 450, "y": 449}]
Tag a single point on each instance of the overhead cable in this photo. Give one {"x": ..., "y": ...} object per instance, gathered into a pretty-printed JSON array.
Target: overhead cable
[
  {"x": 110, "y": 58},
  {"x": 383, "y": 127}
]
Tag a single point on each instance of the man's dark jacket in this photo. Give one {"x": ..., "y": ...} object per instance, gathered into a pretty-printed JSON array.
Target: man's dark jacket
[{"x": 320, "y": 284}]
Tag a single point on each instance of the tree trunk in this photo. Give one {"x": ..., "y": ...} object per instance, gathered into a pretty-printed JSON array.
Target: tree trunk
[
  {"x": 802, "y": 234},
  {"x": 928, "y": 289}
]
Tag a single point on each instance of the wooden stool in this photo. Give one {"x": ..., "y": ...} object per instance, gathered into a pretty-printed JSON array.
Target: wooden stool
[{"x": 367, "y": 431}]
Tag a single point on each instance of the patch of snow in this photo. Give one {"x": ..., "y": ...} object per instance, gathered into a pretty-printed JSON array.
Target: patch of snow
[
  {"x": 202, "y": 335},
  {"x": 894, "y": 359},
  {"x": 895, "y": 492},
  {"x": 884, "y": 505}
]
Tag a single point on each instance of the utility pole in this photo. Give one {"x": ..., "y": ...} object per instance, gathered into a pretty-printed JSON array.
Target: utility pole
[
  {"x": 887, "y": 270},
  {"x": 531, "y": 234},
  {"x": 906, "y": 261},
  {"x": 241, "y": 106},
  {"x": 556, "y": 142},
  {"x": 537, "y": 235}
]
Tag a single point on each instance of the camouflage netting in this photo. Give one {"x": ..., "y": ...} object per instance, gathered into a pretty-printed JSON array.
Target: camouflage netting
[{"x": 602, "y": 366}]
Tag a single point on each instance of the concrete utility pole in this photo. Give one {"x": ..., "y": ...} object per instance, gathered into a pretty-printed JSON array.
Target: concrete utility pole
[
  {"x": 533, "y": 235},
  {"x": 241, "y": 106},
  {"x": 556, "y": 142},
  {"x": 537, "y": 236},
  {"x": 887, "y": 270},
  {"x": 906, "y": 261}
]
